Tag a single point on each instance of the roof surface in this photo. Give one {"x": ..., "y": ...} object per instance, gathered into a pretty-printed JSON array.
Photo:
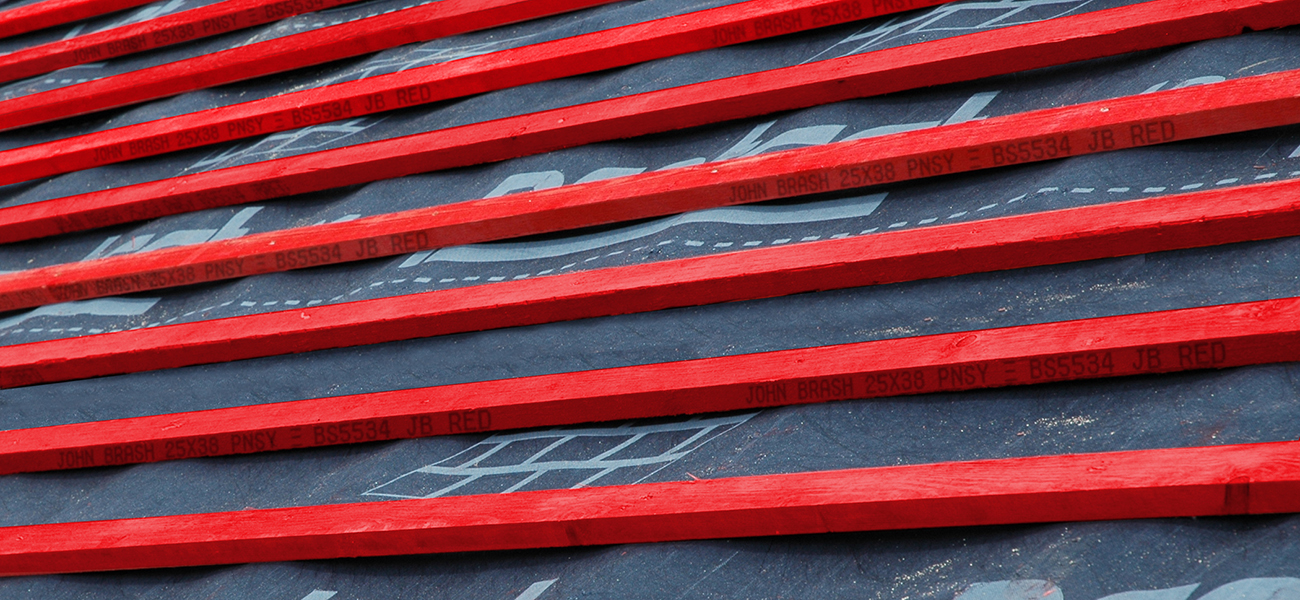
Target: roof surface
[{"x": 1220, "y": 558}]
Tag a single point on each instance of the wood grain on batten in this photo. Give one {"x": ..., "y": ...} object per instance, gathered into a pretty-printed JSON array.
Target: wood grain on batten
[
  {"x": 1182, "y": 221},
  {"x": 1146, "y": 343},
  {"x": 277, "y": 55},
  {"x": 167, "y": 30},
  {"x": 1103, "y": 126},
  {"x": 620, "y": 46},
  {"x": 1154, "y": 24},
  {"x": 50, "y": 13},
  {"x": 1184, "y": 482}
]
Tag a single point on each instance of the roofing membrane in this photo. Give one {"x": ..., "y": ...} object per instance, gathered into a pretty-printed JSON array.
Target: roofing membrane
[{"x": 1244, "y": 557}]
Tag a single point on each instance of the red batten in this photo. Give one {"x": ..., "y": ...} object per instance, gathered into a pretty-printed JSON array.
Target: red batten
[
  {"x": 1102, "y": 33},
  {"x": 48, "y": 13},
  {"x": 1181, "y": 482},
  {"x": 1243, "y": 479},
  {"x": 417, "y": 24},
  {"x": 1250, "y": 103},
  {"x": 588, "y": 53},
  {"x": 1136, "y": 227},
  {"x": 1178, "y": 340},
  {"x": 213, "y": 19}
]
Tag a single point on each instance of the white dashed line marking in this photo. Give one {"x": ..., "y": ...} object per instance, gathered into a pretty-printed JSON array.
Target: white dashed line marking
[
  {"x": 320, "y": 595},
  {"x": 691, "y": 243},
  {"x": 535, "y": 590}
]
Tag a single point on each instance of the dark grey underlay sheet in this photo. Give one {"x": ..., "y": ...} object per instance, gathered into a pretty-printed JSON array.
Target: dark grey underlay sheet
[
  {"x": 875, "y": 34},
  {"x": 1200, "y": 165},
  {"x": 1210, "y": 559},
  {"x": 1176, "y": 559},
  {"x": 94, "y": 25},
  {"x": 1184, "y": 167},
  {"x": 1095, "y": 80}
]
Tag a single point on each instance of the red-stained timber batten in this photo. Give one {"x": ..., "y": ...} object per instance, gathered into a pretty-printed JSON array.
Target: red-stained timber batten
[
  {"x": 213, "y": 19},
  {"x": 1102, "y": 33},
  {"x": 48, "y": 13},
  {"x": 318, "y": 46},
  {"x": 1257, "y": 102},
  {"x": 1180, "y": 482},
  {"x": 1183, "y": 221},
  {"x": 1178, "y": 340},
  {"x": 746, "y": 21}
]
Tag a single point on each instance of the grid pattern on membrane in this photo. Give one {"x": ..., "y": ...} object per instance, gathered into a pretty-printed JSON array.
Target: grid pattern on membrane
[{"x": 560, "y": 458}]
